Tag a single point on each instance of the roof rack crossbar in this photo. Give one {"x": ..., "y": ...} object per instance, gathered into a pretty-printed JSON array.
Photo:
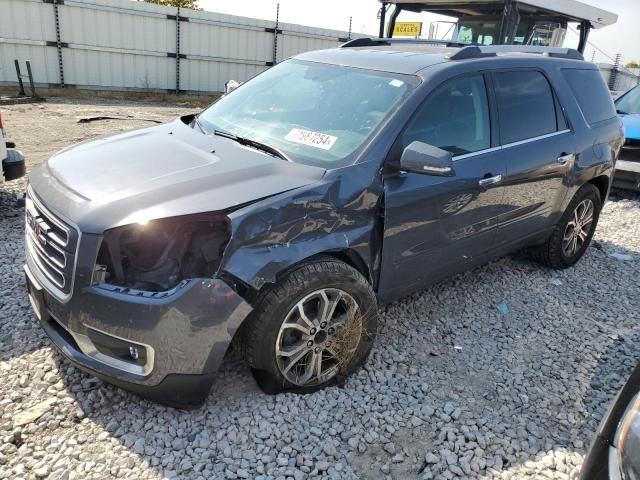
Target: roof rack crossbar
[
  {"x": 381, "y": 42},
  {"x": 473, "y": 51}
]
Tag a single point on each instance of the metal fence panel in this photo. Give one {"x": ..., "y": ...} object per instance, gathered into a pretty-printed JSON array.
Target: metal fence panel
[{"x": 122, "y": 44}]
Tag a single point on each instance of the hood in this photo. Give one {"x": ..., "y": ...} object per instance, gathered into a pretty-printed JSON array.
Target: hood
[
  {"x": 157, "y": 172},
  {"x": 631, "y": 125}
]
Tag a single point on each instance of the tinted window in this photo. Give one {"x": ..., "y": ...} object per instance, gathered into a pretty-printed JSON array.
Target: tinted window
[
  {"x": 525, "y": 105},
  {"x": 592, "y": 94},
  {"x": 629, "y": 102},
  {"x": 455, "y": 117}
]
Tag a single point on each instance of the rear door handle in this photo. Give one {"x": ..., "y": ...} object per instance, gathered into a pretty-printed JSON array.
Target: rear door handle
[
  {"x": 565, "y": 158},
  {"x": 487, "y": 182}
]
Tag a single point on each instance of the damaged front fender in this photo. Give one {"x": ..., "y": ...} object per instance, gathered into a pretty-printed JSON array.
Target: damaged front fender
[{"x": 341, "y": 214}]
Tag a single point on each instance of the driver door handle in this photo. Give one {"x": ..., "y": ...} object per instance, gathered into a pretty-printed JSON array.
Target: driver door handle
[
  {"x": 565, "y": 158},
  {"x": 487, "y": 182}
]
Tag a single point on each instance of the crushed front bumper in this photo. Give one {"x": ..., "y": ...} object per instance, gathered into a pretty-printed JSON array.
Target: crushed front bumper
[{"x": 165, "y": 348}]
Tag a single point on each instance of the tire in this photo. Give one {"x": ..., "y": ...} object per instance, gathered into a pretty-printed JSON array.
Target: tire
[
  {"x": 276, "y": 334},
  {"x": 556, "y": 252}
]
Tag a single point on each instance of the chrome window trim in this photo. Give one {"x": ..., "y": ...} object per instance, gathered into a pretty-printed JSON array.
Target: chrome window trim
[
  {"x": 535, "y": 139},
  {"x": 509, "y": 145},
  {"x": 479, "y": 152},
  {"x": 47, "y": 284}
]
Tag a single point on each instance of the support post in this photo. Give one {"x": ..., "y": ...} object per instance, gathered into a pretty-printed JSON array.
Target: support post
[
  {"x": 614, "y": 72},
  {"x": 392, "y": 20},
  {"x": 31, "y": 84},
  {"x": 19, "y": 75},
  {"x": 585, "y": 27},
  {"x": 178, "y": 48},
  {"x": 275, "y": 35},
  {"x": 350, "y": 23},
  {"x": 383, "y": 14},
  {"x": 56, "y": 16}
]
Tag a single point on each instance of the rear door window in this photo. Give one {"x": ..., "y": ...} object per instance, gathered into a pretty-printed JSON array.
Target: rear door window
[
  {"x": 455, "y": 117},
  {"x": 526, "y": 106},
  {"x": 592, "y": 94}
]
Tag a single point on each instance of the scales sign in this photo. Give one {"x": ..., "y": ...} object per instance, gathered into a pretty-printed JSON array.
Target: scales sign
[{"x": 407, "y": 29}]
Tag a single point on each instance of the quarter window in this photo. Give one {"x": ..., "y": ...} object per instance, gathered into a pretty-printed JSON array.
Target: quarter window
[
  {"x": 455, "y": 117},
  {"x": 592, "y": 94},
  {"x": 526, "y": 105}
]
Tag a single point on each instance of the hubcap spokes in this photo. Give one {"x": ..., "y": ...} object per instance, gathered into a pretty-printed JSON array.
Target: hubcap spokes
[
  {"x": 318, "y": 336},
  {"x": 578, "y": 228}
]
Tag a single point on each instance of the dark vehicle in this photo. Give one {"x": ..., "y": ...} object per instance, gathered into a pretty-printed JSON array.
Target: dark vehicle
[
  {"x": 284, "y": 212},
  {"x": 615, "y": 451},
  {"x": 628, "y": 167},
  {"x": 13, "y": 166}
]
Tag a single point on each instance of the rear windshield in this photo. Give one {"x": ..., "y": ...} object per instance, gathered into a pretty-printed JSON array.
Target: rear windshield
[
  {"x": 316, "y": 113},
  {"x": 592, "y": 94}
]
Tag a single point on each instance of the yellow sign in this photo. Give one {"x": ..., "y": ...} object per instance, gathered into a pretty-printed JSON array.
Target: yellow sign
[{"x": 407, "y": 29}]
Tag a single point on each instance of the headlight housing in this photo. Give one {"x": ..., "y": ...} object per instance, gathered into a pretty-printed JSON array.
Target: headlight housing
[
  {"x": 627, "y": 441},
  {"x": 158, "y": 255}
]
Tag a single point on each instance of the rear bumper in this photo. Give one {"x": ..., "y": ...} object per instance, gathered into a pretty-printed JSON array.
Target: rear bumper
[
  {"x": 165, "y": 349},
  {"x": 13, "y": 167}
]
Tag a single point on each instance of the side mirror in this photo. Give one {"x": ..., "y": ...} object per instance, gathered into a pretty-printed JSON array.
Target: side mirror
[
  {"x": 231, "y": 85},
  {"x": 422, "y": 158}
]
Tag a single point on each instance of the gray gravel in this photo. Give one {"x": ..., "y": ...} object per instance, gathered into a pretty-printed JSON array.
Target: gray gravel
[{"x": 455, "y": 387}]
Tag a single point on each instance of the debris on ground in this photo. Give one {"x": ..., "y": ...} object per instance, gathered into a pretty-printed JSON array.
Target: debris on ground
[{"x": 522, "y": 400}]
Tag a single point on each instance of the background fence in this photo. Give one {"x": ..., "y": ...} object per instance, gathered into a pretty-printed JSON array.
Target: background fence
[
  {"x": 122, "y": 44},
  {"x": 619, "y": 79}
]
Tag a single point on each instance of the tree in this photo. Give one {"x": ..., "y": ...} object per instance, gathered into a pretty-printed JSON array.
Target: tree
[
  {"x": 633, "y": 64},
  {"x": 192, "y": 4}
]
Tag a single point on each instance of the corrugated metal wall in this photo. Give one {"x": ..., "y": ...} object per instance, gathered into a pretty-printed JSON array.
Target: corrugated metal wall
[
  {"x": 625, "y": 79},
  {"x": 122, "y": 44}
]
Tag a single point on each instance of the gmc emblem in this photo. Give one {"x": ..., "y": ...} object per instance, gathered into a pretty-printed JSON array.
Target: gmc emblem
[{"x": 38, "y": 227}]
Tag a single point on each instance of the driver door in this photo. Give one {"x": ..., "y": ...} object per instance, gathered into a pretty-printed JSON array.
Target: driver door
[{"x": 434, "y": 225}]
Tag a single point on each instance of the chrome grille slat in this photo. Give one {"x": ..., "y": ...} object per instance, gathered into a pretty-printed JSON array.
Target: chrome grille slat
[
  {"x": 55, "y": 263},
  {"x": 51, "y": 245},
  {"x": 49, "y": 272}
]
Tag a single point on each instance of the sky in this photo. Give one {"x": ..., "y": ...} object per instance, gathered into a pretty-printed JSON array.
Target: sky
[{"x": 623, "y": 37}]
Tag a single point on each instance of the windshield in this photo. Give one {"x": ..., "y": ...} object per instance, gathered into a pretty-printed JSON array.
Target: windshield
[
  {"x": 629, "y": 102},
  {"x": 314, "y": 113}
]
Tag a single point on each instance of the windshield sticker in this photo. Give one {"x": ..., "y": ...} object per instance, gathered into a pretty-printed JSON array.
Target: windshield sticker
[
  {"x": 312, "y": 139},
  {"x": 396, "y": 83}
]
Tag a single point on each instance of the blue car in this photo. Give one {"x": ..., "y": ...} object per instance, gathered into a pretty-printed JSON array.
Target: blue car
[{"x": 628, "y": 166}]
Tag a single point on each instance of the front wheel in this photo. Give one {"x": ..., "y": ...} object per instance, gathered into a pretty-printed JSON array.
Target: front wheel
[
  {"x": 312, "y": 328},
  {"x": 573, "y": 233}
]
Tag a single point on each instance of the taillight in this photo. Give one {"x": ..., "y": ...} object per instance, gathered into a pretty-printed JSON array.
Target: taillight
[{"x": 1, "y": 124}]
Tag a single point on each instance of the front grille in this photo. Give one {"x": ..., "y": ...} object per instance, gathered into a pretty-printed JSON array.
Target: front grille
[{"x": 51, "y": 244}]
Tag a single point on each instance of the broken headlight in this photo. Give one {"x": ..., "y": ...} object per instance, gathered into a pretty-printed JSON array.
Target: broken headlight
[{"x": 158, "y": 255}]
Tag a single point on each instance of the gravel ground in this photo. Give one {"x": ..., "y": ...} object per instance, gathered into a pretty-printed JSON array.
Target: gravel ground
[{"x": 457, "y": 384}]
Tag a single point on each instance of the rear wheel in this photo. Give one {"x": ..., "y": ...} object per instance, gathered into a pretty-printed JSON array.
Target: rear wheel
[
  {"x": 314, "y": 327},
  {"x": 573, "y": 233}
]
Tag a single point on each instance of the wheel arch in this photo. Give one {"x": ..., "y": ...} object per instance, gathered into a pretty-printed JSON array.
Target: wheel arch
[{"x": 602, "y": 183}]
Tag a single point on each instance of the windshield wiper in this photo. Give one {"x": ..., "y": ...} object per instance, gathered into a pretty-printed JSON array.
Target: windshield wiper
[{"x": 276, "y": 152}]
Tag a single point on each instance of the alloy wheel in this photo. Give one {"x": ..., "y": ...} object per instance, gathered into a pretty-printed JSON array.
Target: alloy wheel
[
  {"x": 318, "y": 337},
  {"x": 578, "y": 228}
]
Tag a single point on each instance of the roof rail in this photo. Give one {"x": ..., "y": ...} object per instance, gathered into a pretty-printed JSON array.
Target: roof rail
[
  {"x": 474, "y": 51},
  {"x": 382, "y": 42}
]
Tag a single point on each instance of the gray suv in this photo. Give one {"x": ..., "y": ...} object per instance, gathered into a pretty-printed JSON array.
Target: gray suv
[{"x": 283, "y": 214}]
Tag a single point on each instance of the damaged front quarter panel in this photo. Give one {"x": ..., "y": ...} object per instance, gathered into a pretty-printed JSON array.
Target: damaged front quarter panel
[{"x": 338, "y": 216}]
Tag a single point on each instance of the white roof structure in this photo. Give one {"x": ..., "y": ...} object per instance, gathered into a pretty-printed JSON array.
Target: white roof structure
[{"x": 572, "y": 9}]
